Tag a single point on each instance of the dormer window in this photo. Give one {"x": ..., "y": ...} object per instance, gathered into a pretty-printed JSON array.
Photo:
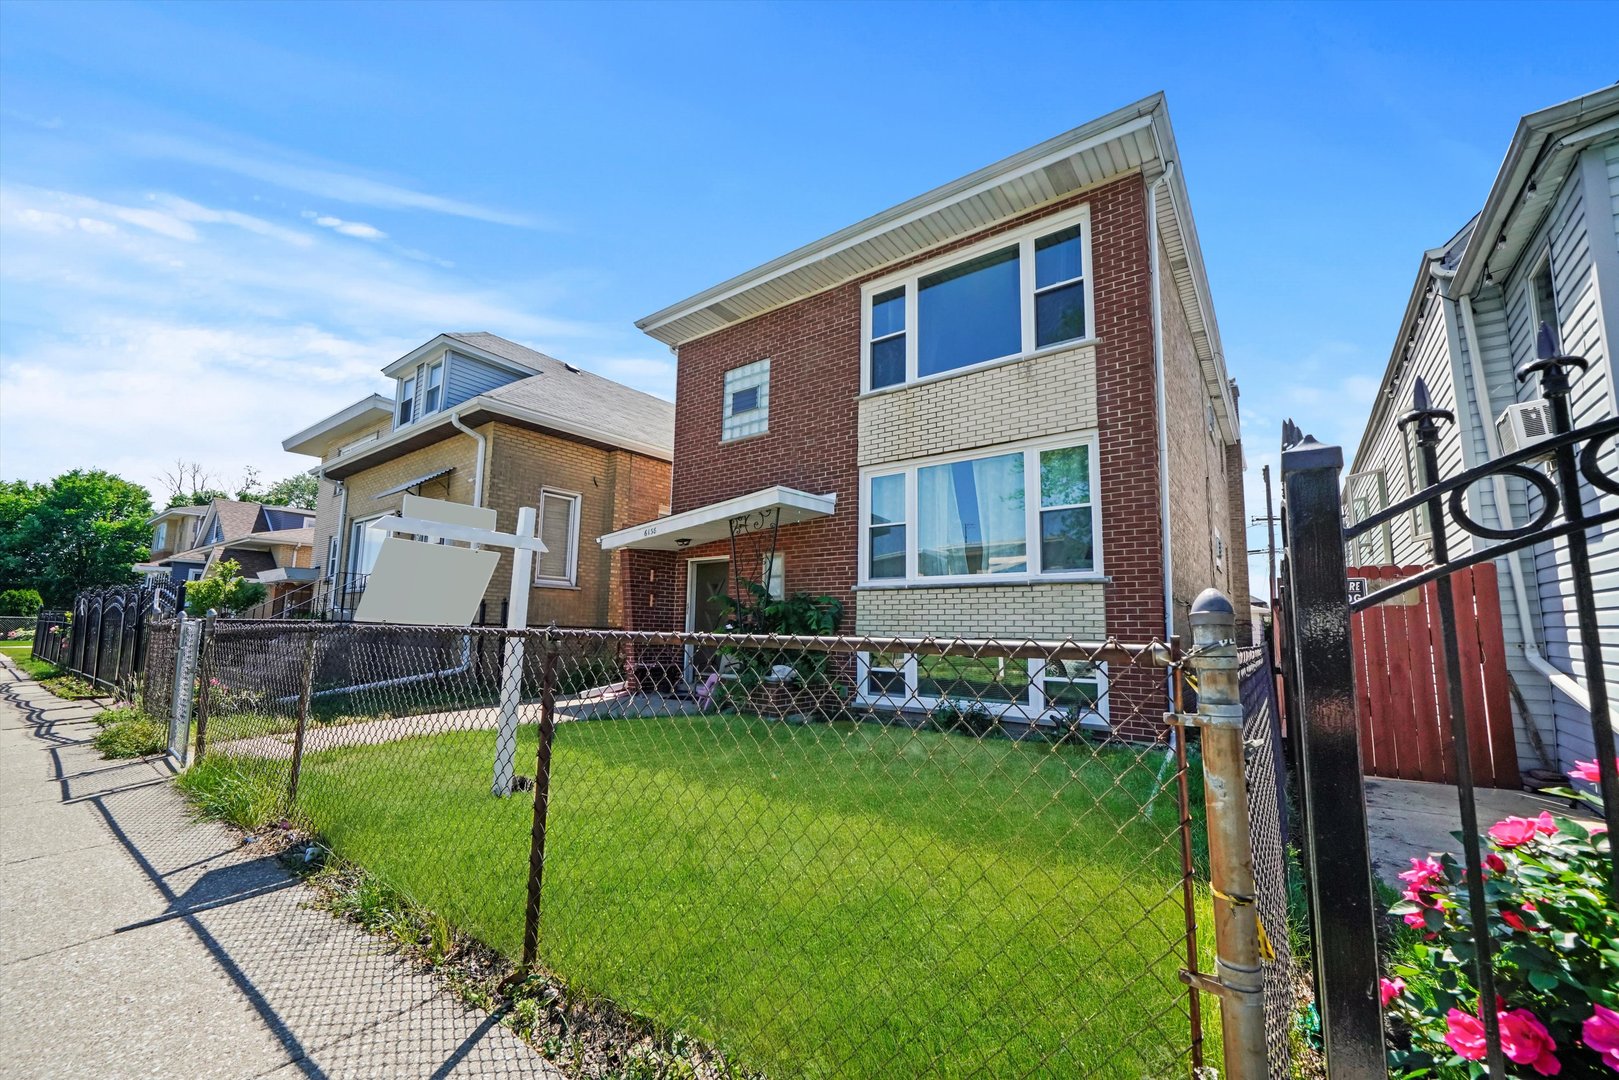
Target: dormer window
[
  {"x": 160, "y": 537},
  {"x": 407, "y": 401},
  {"x": 433, "y": 392}
]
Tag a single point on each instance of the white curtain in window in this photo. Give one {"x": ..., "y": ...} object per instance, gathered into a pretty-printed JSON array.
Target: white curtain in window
[{"x": 971, "y": 518}]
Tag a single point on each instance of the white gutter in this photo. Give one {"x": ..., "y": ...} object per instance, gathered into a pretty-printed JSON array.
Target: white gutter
[
  {"x": 1503, "y": 514},
  {"x": 477, "y": 468},
  {"x": 1161, "y": 397}
]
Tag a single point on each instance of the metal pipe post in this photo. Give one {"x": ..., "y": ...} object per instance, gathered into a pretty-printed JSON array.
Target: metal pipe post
[
  {"x": 305, "y": 695},
  {"x": 542, "y": 807},
  {"x": 205, "y": 653},
  {"x": 511, "y": 685},
  {"x": 1238, "y": 968}
]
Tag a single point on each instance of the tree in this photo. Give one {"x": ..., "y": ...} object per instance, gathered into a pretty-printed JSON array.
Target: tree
[
  {"x": 83, "y": 530},
  {"x": 190, "y": 484},
  {"x": 20, "y": 602},
  {"x": 223, "y": 589},
  {"x": 299, "y": 489}
]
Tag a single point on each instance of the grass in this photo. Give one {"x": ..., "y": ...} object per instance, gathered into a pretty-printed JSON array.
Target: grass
[
  {"x": 57, "y": 680},
  {"x": 825, "y": 900},
  {"x": 127, "y": 732},
  {"x": 19, "y": 649}
]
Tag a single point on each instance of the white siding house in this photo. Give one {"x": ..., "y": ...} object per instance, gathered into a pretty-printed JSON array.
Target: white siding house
[{"x": 1544, "y": 248}]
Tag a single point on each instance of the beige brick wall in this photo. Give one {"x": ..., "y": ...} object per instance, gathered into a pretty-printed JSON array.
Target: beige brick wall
[
  {"x": 326, "y": 500},
  {"x": 1198, "y": 480},
  {"x": 1029, "y": 399},
  {"x": 1013, "y": 612}
]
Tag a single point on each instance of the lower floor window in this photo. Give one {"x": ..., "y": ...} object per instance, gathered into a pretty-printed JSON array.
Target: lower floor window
[{"x": 1031, "y": 689}]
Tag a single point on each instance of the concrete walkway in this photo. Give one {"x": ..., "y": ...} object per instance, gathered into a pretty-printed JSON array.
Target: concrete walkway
[
  {"x": 135, "y": 942},
  {"x": 1407, "y": 819}
]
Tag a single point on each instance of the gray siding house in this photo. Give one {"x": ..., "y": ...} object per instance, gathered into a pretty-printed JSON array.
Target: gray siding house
[{"x": 1543, "y": 249}]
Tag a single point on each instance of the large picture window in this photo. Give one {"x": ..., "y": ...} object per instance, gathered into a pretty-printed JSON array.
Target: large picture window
[
  {"x": 1017, "y": 295},
  {"x": 1027, "y": 511}
]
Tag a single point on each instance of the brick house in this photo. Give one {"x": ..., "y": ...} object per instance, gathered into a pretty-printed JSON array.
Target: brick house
[
  {"x": 477, "y": 419},
  {"x": 999, "y": 409}
]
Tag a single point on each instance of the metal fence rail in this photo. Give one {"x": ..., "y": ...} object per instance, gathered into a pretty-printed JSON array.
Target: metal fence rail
[
  {"x": 819, "y": 856},
  {"x": 103, "y": 639}
]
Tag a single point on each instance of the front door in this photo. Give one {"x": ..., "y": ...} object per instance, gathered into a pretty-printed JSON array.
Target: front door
[{"x": 709, "y": 581}]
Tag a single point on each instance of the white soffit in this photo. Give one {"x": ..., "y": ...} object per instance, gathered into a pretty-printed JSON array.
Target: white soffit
[{"x": 706, "y": 524}]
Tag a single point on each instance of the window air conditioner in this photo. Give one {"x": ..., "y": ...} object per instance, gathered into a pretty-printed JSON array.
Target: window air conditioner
[{"x": 1524, "y": 424}]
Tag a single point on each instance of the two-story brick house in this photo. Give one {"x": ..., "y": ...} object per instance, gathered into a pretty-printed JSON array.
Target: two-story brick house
[
  {"x": 476, "y": 419},
  {"x": 999, "y": 409}
]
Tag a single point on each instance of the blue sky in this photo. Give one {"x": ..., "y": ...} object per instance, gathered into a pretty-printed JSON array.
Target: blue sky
[{"x": 219, "y": 221}]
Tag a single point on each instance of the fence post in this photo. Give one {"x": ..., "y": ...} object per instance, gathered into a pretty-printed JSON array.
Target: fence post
[
  {"x": 305, "y": 695},
  {"x": 1320, "y": 667},
  {"x": 205, "y": 654},
  {"x": 542, "y": 805},
  {"x": 511, "y": 684},
  {"x": 1238, "y": 968}
]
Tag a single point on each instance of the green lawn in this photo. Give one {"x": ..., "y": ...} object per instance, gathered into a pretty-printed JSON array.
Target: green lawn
[
  {"x": 825, "y": 900},
  {"x": 17, "y": 649}
]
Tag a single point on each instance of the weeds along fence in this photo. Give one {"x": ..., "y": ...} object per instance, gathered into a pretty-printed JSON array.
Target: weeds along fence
[{"x": 817, "y": 856}]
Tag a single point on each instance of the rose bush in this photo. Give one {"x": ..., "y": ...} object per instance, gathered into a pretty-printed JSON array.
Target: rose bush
[{"x": 1555, "y": 937}]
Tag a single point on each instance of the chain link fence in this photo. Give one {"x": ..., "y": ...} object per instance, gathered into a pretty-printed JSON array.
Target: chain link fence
[
  {"x": 816, "y": 856},
  {"x": 1265, "y": 767}
]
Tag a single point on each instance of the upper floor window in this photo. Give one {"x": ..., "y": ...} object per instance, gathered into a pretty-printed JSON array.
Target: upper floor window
[
  {"x": 1543, "y": 294},
  {"x": 160, "y": 536},
  {"x": 1028, "y": 512},
  {"x": 407, "y": 401},
  {"x": 559, "y": 530},
  {"x": 433, "y": 391},
  {"x": 216, "y": 533},
  {"x": 1009, "y": 297},
  {"x": 747, "y": 401}
]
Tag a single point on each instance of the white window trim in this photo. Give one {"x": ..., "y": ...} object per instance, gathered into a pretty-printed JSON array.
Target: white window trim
[
  {"x": 768, "y": 563},
  {"x": 400, "y": 399},
  {"x": 1031, "y": 508},
  {"x": 331, "y": 556},
  {"x": 425, "y": 386},
  {"x": 1536, "y": 316},
  {"x": 354, "y": 549},
  {"x": 1036, "y": 711},
  {"x": 1024, "y": 238},
  {"x": 161, "y": 538},
  {"x": 572, "y": 578},
  {"x": 1413, "y": 476}
]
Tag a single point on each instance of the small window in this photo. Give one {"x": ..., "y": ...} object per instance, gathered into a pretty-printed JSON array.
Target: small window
[
  {"x": 1069, "y": 684},
  {"x": 747, "y": 401},
  {"x": 1059, "y": 288},
  {"x": 886, "y": 533},
  {"x": 1365, "y": 494},
  {"x": 559, "y": 530},
  {"x": 331, "y": 557},
  {"x": 365, "y": 544},
  {"x": 407, "y": 402},
  {"x": 885, "y": 675},
  {"x": 434, "y": 389},
  {"x": 888, "y": 338},
  {"x": 1416, "y": 474},
  {"x": 160, "y": 537},
  {"x": 1065, "y": 509},
  {"x": 773, "y": 573},
  {"x": 1543, "y": 293}
]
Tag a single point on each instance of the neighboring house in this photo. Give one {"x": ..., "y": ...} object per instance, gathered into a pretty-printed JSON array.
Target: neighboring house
[
  {"x": 1544, "y": 249},
  {"x": 173, "y": 530},
  {"x": 477, "y": 419},
  {"x": 273, "y": 545},
  {"x": 999, "y": 409}
]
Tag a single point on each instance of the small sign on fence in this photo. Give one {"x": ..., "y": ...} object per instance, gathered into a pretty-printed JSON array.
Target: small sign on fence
[{"x": 1358, "y": 587}]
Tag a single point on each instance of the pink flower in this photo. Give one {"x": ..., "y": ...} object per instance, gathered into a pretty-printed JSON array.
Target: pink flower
[
  {"x": 1525, "y": 1040},
  {"x": 1587, "y": 771},
  {"x": 1495, "y": 863},
  {"x": 1514, "y": 920},
  {"x": 1516, "y": 831},
  {"x": 1421, "y": 878},
  {"x": 1390, "y": 989},
  {"x": 1464, "y": 1033},
  {"x": 1601, "y": 1033},
  {"x": 1416, "y": 919}
]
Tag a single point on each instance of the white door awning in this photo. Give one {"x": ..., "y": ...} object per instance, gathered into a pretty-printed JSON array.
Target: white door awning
[{"x": 713, "y": 522}]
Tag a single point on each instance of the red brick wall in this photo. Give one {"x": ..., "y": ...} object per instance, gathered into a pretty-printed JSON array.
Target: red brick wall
[{"x": 814, "y": 351}]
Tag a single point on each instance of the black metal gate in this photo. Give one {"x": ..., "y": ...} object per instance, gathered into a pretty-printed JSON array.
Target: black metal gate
[{"x": 1319, "y": 682}]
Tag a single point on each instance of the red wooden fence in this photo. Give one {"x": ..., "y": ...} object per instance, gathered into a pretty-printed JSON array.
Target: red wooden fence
[{"x": 1402, "y": 696}]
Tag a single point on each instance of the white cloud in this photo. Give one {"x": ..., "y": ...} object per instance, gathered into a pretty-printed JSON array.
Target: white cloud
[
  {"x": 324, "y": 180},
  {"x": 357, "y": 229}
]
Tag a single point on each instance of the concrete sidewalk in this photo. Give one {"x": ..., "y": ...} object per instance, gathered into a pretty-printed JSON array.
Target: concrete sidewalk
[{"x": 135, "y": 942}]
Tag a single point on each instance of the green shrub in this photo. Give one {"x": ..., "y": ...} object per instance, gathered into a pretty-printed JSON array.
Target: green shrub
[
  {"x": 223, "y": 589},
  {"x": 964, "y": 718},
  {"x": 20, "y": 602},
  {"x": 219, "y": 791}
]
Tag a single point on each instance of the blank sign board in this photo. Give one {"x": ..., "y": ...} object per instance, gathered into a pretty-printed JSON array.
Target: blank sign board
[{"x": 426, "y": 584}]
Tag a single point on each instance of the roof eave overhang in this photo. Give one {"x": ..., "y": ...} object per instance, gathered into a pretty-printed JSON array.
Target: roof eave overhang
[
  {"x": 449, "y": 343},
  {"x": 708, "y": 523},
  {"x": 312, "y": 439},
  {"x": 1391, "y": 371},
  {"x": 482, "y": 410},
  {"x": 1120, "y": 142}
]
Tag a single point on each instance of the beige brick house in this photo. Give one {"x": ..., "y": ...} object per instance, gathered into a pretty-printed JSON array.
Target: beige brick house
[{"x": 480, "y": 420}]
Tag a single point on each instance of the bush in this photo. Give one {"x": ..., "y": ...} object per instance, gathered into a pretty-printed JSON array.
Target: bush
[
  {"x": 1555, "y": 941},
  {"x": 965, "y": 717},
  {"x": 20, "y": 602},
  {"x": 126, "y": 732},
  {"x": 223, "y": 589}
]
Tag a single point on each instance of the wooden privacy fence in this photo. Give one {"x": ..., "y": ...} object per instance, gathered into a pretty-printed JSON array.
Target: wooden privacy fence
[{"x": 1402, "y": 701}]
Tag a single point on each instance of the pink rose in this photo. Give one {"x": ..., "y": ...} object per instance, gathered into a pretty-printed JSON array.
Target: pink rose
[
  {"x": 1514, "y": 920},
  {"x": 1421, "y": 878},
  {"x": 1464, "y": 1033},
  {"x": 1390, "y": 989},
  {"x": 1525, "y": 1040},
  {"x": 1495, "y": 863},
  {"x": 1587, "y": 771},
  {"x": 1601, "y": 1033},
  {"x": 1516, "y": 831}
]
